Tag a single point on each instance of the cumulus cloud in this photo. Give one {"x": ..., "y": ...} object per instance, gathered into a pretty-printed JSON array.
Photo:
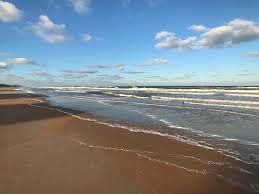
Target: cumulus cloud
[
  {"x": 81, "y": 6},
  {"x": 198, "y": 28},
  {"x": 251, "y": 54},
  {"x": 163, "y": 34},
  {"x": 9, "y": 12},
  {"x": 234, "y": 32},
  {"x": 48, "y": 30},
  {"x": 168, "y": 40},
  {"x": 87, "y": 37}
]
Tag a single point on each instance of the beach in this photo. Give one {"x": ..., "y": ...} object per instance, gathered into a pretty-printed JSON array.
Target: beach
[{"x": 46, "y": 149}]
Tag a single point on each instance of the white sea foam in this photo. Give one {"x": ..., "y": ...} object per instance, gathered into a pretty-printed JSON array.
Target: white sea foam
[
  {"x": 125, "y": 95},
  {"x": 224, "y": 105},
  {"x": 204, "y": 100},
  {"x": 139, "y": 153},
  {"x": 173, "y": 164},
  {"x": 244, "y": 95},
  {"x": 162, "y": 105},
  {"x": 254, "y": 90},
  {"x": 37, "y": 100}
]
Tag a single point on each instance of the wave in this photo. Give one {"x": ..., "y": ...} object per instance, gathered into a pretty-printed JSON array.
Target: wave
[
  {"x": 199, "y": 132},
  {"x": 244, "y": 95},
  {"x": 162, "y": 105},
  {"x": 127, "y": 95},
  {"x": 161, "y": 89},
  {"x": 224, "y": 105},
  {"x": 203, "y": 100}
]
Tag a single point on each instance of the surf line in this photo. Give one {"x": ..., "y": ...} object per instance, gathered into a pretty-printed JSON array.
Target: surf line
[
  {"x": 162, "y": 105},
  {"x": 132, "y": 129},
  {"x": 146, "y": 155},
  {"x": 141, "y": 154}
]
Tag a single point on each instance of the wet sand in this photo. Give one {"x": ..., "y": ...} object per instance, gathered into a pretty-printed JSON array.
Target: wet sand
[{"x": 44, "y": 150}]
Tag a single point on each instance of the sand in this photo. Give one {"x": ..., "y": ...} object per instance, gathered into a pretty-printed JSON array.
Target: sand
[{"x": 43, "y": 150}]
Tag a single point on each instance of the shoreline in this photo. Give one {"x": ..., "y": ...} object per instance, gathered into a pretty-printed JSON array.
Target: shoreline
[{"x": 137, "y": 162}]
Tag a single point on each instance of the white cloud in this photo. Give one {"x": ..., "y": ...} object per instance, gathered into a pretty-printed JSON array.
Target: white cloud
[
  {"x": 48, "y": 30},
  {"x": 163, "y": 34},
  {"x": 158, "y": 61},
  {"x": 9, "y": 12},
  {"x": 216, "y": 37},
  {"x": 81, "y": 6},
  {"x": 235, "y": 32},
  {"x": 87, "y": 37},
  {"x": 168, "y": 40},
  {"x": 3, "y": 64},
  {"x": 16, "y": 61},
  {"x": 198, "y": 28},
  {"x": 251, "y": 54},
  {"x": 20, "y": 61}
]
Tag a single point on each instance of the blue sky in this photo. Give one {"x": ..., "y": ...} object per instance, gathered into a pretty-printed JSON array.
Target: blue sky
[{"x": 129, "y": 42}]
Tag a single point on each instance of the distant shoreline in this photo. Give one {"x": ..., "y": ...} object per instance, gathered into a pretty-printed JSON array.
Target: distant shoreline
[{"x": 8, "y": 86}]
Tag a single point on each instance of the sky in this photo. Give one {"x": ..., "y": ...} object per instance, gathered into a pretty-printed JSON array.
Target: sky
[{"x": 129, "y": 42}]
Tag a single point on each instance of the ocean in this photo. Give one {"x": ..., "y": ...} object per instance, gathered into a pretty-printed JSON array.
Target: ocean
[{"x": 222, "y": 118}]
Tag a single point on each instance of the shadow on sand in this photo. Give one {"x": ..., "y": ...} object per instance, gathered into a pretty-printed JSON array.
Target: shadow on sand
[
  {"x": 16, "y": 96},
  {"x": 15, "y": 113}
]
